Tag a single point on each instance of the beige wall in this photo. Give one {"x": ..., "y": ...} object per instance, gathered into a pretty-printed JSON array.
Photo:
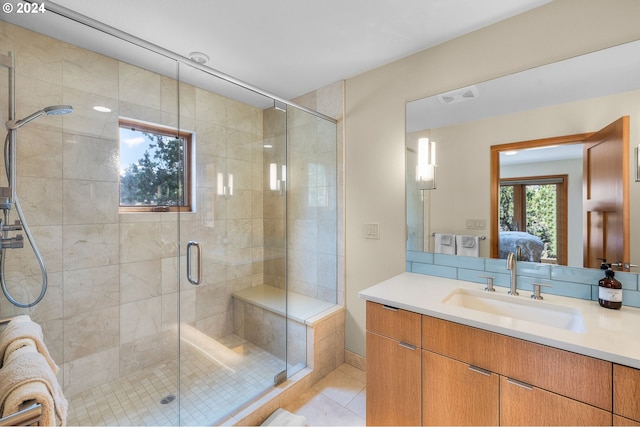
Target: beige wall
[{"x": 375, "y": 102}]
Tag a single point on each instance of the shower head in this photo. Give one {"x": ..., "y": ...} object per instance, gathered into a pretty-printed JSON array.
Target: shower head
[
  {"x": 54, "y": 110},
  {"x": 58, "y": 110}
]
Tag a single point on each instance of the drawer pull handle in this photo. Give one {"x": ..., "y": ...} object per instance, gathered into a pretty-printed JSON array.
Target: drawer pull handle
[
  {"x": 520, "y": 384},
  {"x": 406, "y": 345},
  {"x": 388, "y": 307},
  {"x": 479, "y": 370}
]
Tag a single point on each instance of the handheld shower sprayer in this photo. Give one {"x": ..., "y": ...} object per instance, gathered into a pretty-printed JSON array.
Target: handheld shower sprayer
[
  {"x": 10, "y": 199},
  {"x": 53, "y": 110}
]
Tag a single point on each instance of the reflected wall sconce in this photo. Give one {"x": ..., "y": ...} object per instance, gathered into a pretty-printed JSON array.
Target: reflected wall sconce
[
  {"x": 225, "y": 189},
  {"x": 637, "y": 164},
  {"x": 276, "y": 184},
  {"x": 426, "y": 168}
]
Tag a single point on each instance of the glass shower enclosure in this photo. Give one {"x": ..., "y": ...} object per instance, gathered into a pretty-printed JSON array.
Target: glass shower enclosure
[{"x": 252, "y": 222}]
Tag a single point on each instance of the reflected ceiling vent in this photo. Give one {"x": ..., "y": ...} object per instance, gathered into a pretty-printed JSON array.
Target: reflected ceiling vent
[{"x": 458, "y": 95}]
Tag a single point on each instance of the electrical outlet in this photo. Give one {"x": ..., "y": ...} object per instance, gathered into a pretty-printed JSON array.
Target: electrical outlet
[{"x": 372, "y": 231}]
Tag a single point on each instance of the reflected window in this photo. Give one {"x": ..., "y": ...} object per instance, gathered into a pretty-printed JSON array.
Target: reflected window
[
  {"x": 537, "y": 206},
  {"x": 154, "y": 168}
]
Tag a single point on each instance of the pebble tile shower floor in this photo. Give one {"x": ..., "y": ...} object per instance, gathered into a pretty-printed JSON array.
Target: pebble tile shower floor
[{"x": 209, "y": 390}]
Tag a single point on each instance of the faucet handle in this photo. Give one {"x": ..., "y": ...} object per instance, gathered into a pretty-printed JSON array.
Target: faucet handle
[
  {"x": 536, "y": 290},
  {"x": 489, "y": 287}
]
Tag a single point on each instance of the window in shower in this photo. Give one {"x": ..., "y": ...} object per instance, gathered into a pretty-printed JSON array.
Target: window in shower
[{"x": 154, "y": 168}]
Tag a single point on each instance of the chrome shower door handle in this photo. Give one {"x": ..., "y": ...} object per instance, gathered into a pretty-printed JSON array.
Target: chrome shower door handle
[{"x": 190, "y": 278}]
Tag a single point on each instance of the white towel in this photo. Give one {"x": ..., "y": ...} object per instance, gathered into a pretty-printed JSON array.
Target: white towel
[
  {"x": 467, "y": 245},
  {"x": 282, "y": 417},
  {"x": 25, "y": 376},
  {"x": 15, "y": 335},
  {"x": 445, "y": 244}
]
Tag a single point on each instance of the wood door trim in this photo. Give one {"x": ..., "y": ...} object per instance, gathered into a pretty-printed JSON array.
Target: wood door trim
[{"x": 495, "y": 174}]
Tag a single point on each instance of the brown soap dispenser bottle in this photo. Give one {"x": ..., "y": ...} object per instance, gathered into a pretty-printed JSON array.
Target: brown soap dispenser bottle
[{"x": 609, "y": 289}]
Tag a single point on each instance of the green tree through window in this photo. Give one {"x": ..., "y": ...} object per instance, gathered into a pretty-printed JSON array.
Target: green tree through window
[{"x": 153, "y": 167}]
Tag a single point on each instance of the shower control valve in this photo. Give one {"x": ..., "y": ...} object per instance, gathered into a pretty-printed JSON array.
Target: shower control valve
[
  {"x": 17, "y": 226},
  {"x": 13, "y": 242}
]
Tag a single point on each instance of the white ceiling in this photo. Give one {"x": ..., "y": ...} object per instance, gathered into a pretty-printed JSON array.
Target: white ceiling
[{"x": 286, "y": 47}]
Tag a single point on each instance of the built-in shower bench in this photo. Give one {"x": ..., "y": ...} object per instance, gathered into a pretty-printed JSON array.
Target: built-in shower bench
[
  {"x": 259, "y": 317},
  {"x": 315, "y": 332}
]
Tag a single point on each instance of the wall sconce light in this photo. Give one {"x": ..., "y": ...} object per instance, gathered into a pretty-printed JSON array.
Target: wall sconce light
[
  {"x": 225, "y": 190},
  {"x": 276, "y": 184},
  {"x": 426, "y": 169},
  {"x": 637, "y": 153}
]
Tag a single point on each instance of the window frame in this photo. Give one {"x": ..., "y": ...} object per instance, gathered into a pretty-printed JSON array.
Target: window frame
[{"x": 187, "y": 162}]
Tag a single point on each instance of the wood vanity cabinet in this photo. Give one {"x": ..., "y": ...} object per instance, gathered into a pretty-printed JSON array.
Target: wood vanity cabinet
[
  {"x": 626, "y": 392},
  {"x": 538, "y": 385},
  {"x": 429, "y": 371},
  {"x": 393, "y": 366}
]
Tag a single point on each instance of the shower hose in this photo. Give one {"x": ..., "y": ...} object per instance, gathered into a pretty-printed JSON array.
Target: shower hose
[{"x": 27, "y": 232}]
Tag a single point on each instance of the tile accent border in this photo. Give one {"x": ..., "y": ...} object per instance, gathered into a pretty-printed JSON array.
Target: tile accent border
[{"x": 566, "y": 281}]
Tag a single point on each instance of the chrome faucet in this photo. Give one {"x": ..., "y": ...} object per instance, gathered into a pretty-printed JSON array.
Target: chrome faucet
[{"x": 512, "y": 262}]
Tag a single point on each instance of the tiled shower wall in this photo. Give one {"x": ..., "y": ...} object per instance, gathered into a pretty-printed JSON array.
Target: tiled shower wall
[
  {"x": 111, "y": 306},
  {"x": 316, "y": 228},
  {"x": 313, "y": 205}
]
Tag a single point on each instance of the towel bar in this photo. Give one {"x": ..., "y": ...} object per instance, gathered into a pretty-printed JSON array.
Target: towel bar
[
  {"x": 4, "y": 320},
  {"x": 479, "y": 237},
  {"x": 28, "y": 416}
]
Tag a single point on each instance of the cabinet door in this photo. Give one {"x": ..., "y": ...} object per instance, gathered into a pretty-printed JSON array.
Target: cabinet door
[
  {"x": 573, "y": 375},
  {"x": 622, "y": 421},
  {"x": 393, "y": 382},
  {"x": 626, "y": 389},
  {"x": 455, "y": 393},
  {"x": 521, "y": 404}
]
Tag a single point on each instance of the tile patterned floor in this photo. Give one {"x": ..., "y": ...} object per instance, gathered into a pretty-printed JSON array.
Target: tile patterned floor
[
  {"x": 214, "y": 383},
  {"x": 215, "y": 379}
]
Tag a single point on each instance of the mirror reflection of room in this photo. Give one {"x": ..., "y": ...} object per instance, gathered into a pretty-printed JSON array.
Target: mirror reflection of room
[{"x": 539, "y": 207}]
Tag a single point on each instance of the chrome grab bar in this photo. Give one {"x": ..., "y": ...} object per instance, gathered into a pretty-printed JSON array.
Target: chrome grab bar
[{"x": 190, "y": 278}]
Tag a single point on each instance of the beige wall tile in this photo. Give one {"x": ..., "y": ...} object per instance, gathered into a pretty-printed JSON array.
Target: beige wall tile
[
  {"x": 140, "y": 319},
  {"x": 91, "y": 371},
  {"x": 90, "y": 202},
  {"x": 90, "y": 72},
  {"x": 90, "y": 289},
  {"x": 139, "y": 86},
  {"x": 87, "y": 246},
  {"x": 140, "y": 280},
  {"x": 90, "y": 332}
]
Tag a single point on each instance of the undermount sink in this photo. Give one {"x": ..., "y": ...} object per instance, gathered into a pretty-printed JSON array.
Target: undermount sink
[{"x": 518, "y": 307}]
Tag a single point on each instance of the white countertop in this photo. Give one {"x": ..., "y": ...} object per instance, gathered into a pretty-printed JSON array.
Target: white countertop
[{"x": 612, "y": 335}]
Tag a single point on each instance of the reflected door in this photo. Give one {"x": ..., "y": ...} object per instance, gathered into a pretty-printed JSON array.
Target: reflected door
[{"x": 606, "y": 195}]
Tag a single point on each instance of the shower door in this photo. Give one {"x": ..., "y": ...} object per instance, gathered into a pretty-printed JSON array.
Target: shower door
[{"x": 233, "y": 305}]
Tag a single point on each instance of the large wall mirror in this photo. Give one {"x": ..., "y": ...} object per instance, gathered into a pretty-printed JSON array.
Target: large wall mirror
[{"x": 532, "y": 197}]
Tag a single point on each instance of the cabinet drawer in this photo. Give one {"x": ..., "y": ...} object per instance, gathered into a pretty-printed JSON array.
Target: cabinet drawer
[
  {"x": 626, "y": 389},
  {"x": 573, "y": 375},
  {"x": 526, "y": 405},
  {"x": 395, "y": 323}
]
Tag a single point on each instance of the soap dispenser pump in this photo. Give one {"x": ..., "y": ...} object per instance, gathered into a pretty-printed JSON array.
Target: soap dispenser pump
[{"x": 609, "y": 288}]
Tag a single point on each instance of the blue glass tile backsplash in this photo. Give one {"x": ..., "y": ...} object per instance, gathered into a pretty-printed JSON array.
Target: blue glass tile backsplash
[{"x": 566, "y": 281}]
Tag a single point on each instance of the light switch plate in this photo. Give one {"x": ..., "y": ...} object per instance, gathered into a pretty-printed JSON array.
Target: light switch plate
[
  {"x": 476, "y": 224},
  {"x": 372, "y": 231}
]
